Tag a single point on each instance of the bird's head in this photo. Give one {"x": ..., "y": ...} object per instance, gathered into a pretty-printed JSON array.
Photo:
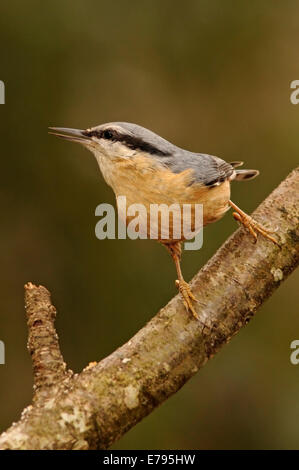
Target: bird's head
[{"x": 116, "y": 140}]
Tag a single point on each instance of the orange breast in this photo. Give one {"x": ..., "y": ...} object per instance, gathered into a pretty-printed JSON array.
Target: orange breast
[{"x": 143, "y": 181}]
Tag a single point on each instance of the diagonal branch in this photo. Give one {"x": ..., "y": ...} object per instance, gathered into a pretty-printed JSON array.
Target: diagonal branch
[{"x": 96, "y": 407}]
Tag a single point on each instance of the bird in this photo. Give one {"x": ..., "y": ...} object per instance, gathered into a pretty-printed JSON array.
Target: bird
[{"x": 148, "y": 169}]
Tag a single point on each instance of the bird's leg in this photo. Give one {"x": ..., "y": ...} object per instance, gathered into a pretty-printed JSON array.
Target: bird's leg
[
  {"x": 251, "y": 224},
  {"x": 184, "y": 288}
]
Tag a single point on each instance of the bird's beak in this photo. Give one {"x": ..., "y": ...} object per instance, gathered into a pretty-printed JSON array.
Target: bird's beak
[{"x": 74, "y": 135}]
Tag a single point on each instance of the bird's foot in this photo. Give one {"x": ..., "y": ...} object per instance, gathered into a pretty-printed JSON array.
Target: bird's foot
[
  {"x": 187, "y": 296},
  {"x": 253, "y": 227}
]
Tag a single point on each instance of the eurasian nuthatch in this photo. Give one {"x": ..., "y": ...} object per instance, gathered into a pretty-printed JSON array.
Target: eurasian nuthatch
[{"x": 148, "y": 169}]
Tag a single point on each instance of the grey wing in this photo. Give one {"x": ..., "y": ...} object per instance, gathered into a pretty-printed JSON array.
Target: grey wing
[{"x": 207, "y": 169}]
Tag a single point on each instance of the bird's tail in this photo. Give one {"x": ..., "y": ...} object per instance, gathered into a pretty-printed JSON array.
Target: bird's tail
[{"x": 242, "y": 175}]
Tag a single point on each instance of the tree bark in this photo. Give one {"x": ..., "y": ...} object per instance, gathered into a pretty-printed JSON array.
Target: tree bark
[{"x": 93, "y": 409}]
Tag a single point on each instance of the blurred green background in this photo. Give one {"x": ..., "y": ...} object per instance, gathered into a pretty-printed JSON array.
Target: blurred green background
[{"x": 210, "y": 76}]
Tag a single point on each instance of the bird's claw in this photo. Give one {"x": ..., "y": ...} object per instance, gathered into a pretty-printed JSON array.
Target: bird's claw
[
  {"x": 255, "y": 227},
  {"x": 187, "y": 297}
]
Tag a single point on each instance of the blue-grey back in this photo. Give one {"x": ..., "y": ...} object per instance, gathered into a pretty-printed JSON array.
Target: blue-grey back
[{"x": 207, "y": 169}]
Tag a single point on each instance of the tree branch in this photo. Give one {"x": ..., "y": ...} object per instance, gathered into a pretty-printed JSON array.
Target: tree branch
[
  {"x": 43, "y": 346},
  {"x": 93, "y": 409}
]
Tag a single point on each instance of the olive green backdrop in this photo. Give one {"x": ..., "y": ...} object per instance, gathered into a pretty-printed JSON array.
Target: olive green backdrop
[{"x": 210, "y": 76}]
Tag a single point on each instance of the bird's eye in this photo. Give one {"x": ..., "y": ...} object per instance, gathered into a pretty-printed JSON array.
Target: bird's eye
[{"x": 108, "y": 135}]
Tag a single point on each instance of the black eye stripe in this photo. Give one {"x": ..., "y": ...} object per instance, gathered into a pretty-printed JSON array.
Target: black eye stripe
[
  {"x": 102, "y": 134},
  {"x": 107, "y": 134},
  {"x": 130, "y": 141}
]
